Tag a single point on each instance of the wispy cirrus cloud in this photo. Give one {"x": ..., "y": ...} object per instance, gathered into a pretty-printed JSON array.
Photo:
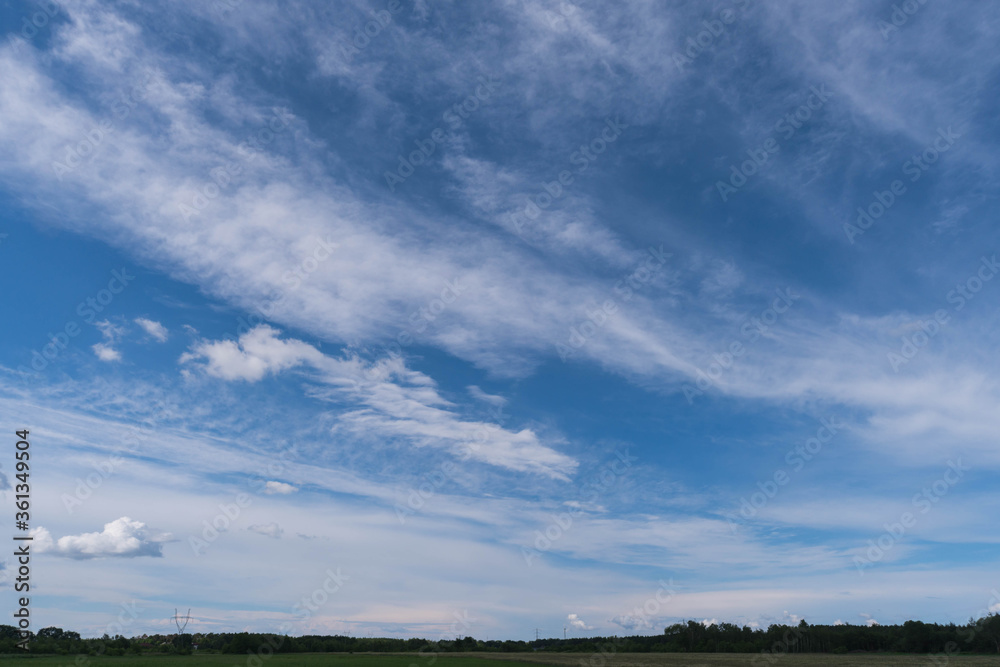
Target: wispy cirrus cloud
[
  {"x": 153, "y": 329},
  {"x": 395, "y": 401},
  {"x": 367, "y": 321}
]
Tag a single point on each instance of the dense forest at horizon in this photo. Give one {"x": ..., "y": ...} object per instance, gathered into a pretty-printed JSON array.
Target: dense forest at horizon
[{"x": 976, "y": 636}]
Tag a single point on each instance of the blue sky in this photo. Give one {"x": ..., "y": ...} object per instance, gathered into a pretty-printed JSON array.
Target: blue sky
[{"x": 495, "y": 317}]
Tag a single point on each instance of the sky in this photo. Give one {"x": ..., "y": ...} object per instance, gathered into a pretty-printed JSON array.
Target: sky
[{"x": 411, "y": 318}]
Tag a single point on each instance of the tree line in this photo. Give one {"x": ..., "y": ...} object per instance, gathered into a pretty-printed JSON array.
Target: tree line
[{"x": 976, "y": 636}]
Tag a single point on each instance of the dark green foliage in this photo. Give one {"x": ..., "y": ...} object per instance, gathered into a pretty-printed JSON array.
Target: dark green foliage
[{"x": 976, "y": 636}]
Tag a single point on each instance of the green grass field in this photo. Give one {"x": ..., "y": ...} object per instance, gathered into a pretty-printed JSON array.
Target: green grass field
[{"x": 491, "y": 660}]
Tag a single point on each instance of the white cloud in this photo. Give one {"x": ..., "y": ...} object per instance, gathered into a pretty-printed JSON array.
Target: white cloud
[
  {"x": 257, "y": 353},
  {"x": 392, "y": 401},
  {"x": 105, "y": 352},
  {"x": 153, "y": 328},
  {"x": 577, "y": 623},
  {"x": 112, "y": 333},
  {"x": 630, "y": 623},
  {"x": 233, "y": 249},
  {"x": 272, "y": 487},
  {"x": 481, "y": 395},
  {"x": 121, "y": 538},
  {"x": 272, "y": 530}
]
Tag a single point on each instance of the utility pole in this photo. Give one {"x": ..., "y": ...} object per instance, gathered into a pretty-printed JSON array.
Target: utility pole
[
  {"x": 564, "y": 633},
  {"x": 536, "y": 634}
]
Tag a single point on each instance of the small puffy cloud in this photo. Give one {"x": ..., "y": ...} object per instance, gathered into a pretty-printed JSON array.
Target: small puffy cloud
[
  {"x": 271, "y": 530},
  {"x": 577, "y": 623},
  {"x": 709, "y": 622},
  {"x": 122, "y": 537},
  {"x": 106, "y": 352},
  {"x": 272, "y": 488},
  {"x": 155, "y": 330},
  {"x": 112, "y": 333},
  {"x": 838, "y": 622},
  {"x": 791, "y": 619},
  {"x": 870, "y": 621},
  {"x": 258, "y": 352}
]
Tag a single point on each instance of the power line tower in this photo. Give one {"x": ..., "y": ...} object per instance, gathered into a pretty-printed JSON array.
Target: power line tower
[{"x": 178, "y": 618}]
